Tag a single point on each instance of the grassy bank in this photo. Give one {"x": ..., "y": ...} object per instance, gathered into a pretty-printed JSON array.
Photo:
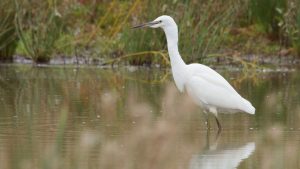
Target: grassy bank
[{"x": 101, "y": 30}]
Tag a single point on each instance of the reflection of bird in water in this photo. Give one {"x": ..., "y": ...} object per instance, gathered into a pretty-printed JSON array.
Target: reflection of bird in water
[
  {"x": 222, "y": 159},
  {"x": 207, "y": 87}
]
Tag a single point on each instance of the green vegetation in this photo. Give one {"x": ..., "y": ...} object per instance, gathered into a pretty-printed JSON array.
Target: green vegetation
[
  {"x": 101, "y": 30},
  {"x": 8, "y": 36},
  {"x": 268, "y": 14},
  {"x": 38, "y": 29}
]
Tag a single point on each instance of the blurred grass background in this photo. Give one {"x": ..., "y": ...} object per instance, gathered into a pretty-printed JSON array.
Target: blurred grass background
[{"x": 101, "y": 29}]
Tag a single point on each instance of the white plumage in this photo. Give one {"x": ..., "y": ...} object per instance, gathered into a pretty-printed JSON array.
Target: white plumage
[
  {"x": 207, "y": 87},
  {"x": 210, "y": 89}
]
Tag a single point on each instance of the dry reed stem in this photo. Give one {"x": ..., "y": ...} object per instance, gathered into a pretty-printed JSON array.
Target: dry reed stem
[{"x": 144, "y": 53}]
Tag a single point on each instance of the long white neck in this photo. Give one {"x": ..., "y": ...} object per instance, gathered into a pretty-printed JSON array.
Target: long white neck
[
  {"x": 172, "y": 40},
  {"x": 177, "y": 64}
]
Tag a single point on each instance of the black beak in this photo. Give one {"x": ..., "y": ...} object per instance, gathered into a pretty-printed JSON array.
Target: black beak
[{"x": 146, "y": 24}]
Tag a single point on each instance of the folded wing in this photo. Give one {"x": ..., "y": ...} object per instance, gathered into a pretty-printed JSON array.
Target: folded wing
[{"x": 209, "y": 87}]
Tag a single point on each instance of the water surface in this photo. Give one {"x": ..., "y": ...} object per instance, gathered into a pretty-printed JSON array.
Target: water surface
[{"x": 89, "y": 117}]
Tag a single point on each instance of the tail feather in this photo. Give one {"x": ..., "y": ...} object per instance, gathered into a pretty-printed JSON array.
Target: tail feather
[{"x": 247, "y": 107}]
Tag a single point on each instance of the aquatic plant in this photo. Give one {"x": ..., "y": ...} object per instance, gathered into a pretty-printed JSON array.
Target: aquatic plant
[
  {"x": 101, "y": 30},
  {"x": 201, "y": 27},
  {"x": 291, "y": 25},
  {"x": 297, "y": 37},
  {"x": 8, "y": 36},
  {"x": 39, "y": 25},
  {"x": 268, "y": 14}
]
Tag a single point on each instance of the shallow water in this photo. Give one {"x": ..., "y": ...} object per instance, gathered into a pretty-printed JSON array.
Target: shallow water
[{"x": 68, "y": 117}]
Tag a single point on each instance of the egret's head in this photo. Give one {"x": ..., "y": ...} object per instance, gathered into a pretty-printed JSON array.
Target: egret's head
[{"x": 160, "y": 22}]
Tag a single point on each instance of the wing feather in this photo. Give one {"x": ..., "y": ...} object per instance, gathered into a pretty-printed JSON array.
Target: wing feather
[
  {"x": 210, "y": 75},
  {"x": 209, "y": 87}
]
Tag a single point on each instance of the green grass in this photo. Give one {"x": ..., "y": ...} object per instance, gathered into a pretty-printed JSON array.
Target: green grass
[
  {"x": 8, "y": 36},
  {"x": 39, "y": 28},
  {"x": 102, "y": 31},
  {"x": 201, "y": 28},
  {"x": 296, "y": 33},
  {"x": 268, "y": 14}
]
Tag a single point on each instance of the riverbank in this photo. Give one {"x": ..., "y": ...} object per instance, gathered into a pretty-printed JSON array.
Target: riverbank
[{"x": 248, "y": 61}]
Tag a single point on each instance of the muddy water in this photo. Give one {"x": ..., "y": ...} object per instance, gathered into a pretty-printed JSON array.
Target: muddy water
[{"x": 68, "y": 117}]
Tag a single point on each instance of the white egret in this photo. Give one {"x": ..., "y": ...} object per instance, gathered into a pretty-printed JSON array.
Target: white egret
[{"x": 207, "y": 87}]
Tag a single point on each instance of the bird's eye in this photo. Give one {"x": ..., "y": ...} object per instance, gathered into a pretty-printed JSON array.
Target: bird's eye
[{"x": 160, "y": 21}]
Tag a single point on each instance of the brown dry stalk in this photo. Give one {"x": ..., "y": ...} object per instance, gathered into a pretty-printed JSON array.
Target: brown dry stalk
[{"x": 144, "y": 53}]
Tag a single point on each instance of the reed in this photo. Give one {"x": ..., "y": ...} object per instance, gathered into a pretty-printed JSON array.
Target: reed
[
  {"x": 268, "y": 14},
  {"x": 8, "y": 36},
  {"x": 292, "y": 25},
  {"x": 38, "y": 25},
  {"x": 101, "y": 30},
  {"x": 201, "y": 28}
]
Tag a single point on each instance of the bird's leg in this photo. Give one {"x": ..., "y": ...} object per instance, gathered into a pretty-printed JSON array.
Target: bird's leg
[
  {"x": 216, "y": 141},
  {"x": 207, "y": 120},
  {"x": 219, "y": 125},
  {"x": 207, "y": 139},
  {"x": 214, "y": 111}
]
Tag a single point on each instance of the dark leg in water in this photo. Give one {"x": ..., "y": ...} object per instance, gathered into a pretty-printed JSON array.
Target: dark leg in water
[
  {"x": 207, "y": 120},
  {"x": 219, "y": 124}
]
